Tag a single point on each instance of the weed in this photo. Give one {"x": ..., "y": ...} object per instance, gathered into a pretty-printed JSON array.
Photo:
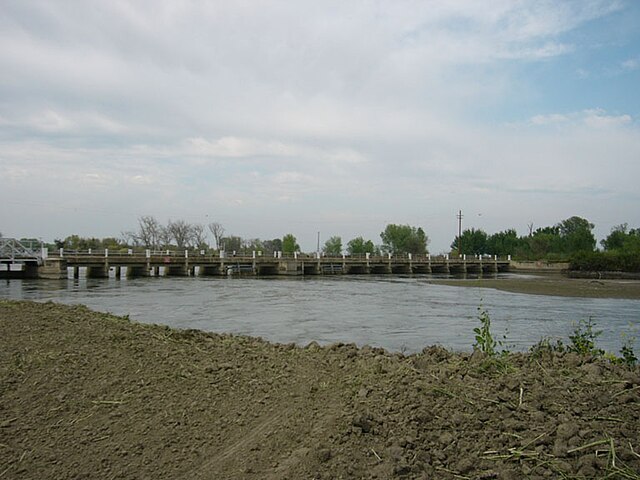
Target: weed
[
  {"x": 547, "y": 346},
  {"x": 583, "y": 340},
  {"x": 628, "y": 356},
  {"x": 497, "y": 361},
  {"x": 484, "y": 339}
]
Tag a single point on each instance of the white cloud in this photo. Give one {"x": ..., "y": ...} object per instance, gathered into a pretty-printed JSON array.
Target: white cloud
[
  {"x": 550, "y": 119},
  {"x": 259, "y": 113},
  {"x": 596, "y": 118},
  {"x": 631, "y": 64},
  {"x": 238, "y": 147}
]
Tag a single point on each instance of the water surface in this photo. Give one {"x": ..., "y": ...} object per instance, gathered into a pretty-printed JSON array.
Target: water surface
[{"x": 397, "y": 313}]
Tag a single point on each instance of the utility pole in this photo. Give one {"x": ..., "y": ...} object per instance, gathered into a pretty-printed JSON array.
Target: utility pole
[
  {"x": 318, "y": 250},
  {"x": 459, "y": 217}
]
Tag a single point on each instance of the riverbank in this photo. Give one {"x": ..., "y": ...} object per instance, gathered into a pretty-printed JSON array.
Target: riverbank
[
  {"x": 557, "y": 285},
  {"x": 91, "y": 395}
]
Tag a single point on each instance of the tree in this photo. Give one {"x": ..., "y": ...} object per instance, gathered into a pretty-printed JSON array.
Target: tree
[
  {"x": 76, "y": 242},
  {"x": 198, "y": 236},
  {"x": 231, "y": 243},
  {"x": 545, "y": 241},
  {"x": 404, "y": 239},
  {"x": 271, "y": 246},
  {"x": 472, "y": 242},
  {"x": 503, "y": 243},
  {"x": 576, "y": 235},
  {"x": 112, "y": 243},
  {"x": 252, "y": 245},
  {"x": 181, "y": 232},
  {"x": 360, "y": 246},
  {"x": 333, "y": 246},
  {"x": 622, "y": 239},
  {"x": 217, "y": 230},
  {"x": 615, "y": 240},
  {"x": 290, "y": 244},
  {"x": 149, "y": 233}
]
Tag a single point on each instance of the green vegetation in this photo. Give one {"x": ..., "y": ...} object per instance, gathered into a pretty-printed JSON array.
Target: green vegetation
[
  {"x": 621, "y": 239},
  {"x": 558, "y": 242},
  {"x": 399, "y": 239},
  {"x": 290, "y": 244},
  {"x": 484, "y": 338},
  {"x": 360, "y": 246},
  {"x": 570, "y": 240},
  {"x": 487, "y": 344},
  {"x": 613, "y": 261},
  {"x": 621, "y": 253},
  {"x": 333, "y": 246},
  {"x": 472, "y": 242},
  {"x": 583, "y": 339},
  {"x": 583, "y": 342},
  {"x": 75, "y": 242}
]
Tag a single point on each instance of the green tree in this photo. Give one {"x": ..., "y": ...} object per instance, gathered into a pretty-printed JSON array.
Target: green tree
[
  {"x": 545, "y": 241},
  {"x": 76, "y": 242},
  {"x": 404, "y": 239},
  {"x": 576, "y": 235},
  {"x": 333, "y": 246},
  {"x": 622, "y": 239},
  {"x": 360, "y": 246},
  {"x": 472, "y": 242},
  {"x": 112, "y": 243},
  {"x": 504, "y": 243},
  {"x": 615, "y": 240},
  {"x": 290, "y": 244}
]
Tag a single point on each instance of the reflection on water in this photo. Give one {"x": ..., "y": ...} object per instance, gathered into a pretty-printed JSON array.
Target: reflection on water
[{"x": 397, "y": 313}]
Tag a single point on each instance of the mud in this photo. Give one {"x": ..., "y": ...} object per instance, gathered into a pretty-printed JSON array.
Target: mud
[
  {"x": 90, "y": 395},
  {"x": 554, "y": 285}
]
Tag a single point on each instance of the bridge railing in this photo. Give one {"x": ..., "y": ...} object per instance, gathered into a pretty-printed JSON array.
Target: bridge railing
[{"x": 245, "y": 255}]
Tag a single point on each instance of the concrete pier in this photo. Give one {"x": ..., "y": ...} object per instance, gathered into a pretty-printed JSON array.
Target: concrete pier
[{"x": 53, "y": 269}]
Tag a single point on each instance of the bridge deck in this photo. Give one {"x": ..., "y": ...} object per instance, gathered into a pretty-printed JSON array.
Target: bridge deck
[{"x": 135, "y": 263}]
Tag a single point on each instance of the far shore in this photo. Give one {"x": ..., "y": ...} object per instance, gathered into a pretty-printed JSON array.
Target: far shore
[{"x": 557, "y": 285}]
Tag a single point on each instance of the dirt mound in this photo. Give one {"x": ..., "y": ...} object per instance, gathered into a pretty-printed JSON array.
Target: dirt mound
[{"x": 90, "y": 395}]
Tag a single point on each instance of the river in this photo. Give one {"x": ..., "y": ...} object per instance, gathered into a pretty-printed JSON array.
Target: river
[{"x": 398, "y": 313}]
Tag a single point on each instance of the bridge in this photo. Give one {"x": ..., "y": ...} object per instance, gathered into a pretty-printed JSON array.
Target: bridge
[
  {"x": 19, "y": 258},
  {"x": 130, "y": 263}
]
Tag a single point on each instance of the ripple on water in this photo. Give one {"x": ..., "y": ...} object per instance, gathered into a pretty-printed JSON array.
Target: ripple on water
[{"x": 397, "y": 313}]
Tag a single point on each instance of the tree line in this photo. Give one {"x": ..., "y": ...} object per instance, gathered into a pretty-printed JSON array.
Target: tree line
[
  {"x": 151, "y": 234},
  {"x": 559, "y": 242}
]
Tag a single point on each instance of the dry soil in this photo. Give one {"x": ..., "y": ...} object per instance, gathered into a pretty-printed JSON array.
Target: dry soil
[{"x": 86, "y": 395}]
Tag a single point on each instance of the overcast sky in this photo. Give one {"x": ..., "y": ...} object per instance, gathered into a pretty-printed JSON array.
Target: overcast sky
[{"x": 337, "y": 117}]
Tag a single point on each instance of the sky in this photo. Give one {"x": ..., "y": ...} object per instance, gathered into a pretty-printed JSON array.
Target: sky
[{"x": 276, "y": 117}]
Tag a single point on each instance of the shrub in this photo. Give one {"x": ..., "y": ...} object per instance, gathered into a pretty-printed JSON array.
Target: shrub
[
  {"x": 583, "y": 340},
  {"x": 615, "y": 261}
]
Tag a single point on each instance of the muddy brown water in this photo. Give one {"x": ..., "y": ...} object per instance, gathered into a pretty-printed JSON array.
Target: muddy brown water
[{"x": 397, "y": 313}]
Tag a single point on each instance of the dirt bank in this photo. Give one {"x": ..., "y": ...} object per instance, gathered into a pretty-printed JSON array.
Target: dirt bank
[
  {"x": 554, "y": 285},
  {"x": 89, "y": 395}
]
